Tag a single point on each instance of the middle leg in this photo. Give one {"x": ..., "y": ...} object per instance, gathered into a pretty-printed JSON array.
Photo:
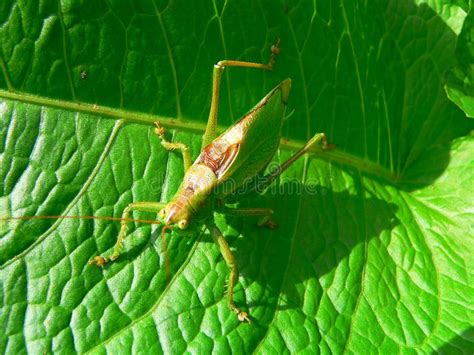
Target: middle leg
[
  {"x": 183, "y": 148},
  {"x": 265, "y": 214},
  {"x": 230, "y": 261}
]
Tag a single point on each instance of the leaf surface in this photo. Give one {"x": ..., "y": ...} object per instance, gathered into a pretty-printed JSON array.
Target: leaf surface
[{"x": 374, "y": 246}]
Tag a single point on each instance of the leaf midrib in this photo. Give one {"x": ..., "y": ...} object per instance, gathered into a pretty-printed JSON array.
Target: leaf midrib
[{"x": 334, "y": 155}]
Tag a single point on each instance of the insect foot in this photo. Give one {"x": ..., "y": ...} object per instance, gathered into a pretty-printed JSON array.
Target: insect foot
[
  {"x": 270, "y": 224},
  {"x": 267, "y": 221},
  {"x": 100, "y": 261},
  {"x": 242, "y": 316},
  {"x": 330, "y": 146},
  {"x": 275, "y": 51},
  {"x": 160, "y": 131}
]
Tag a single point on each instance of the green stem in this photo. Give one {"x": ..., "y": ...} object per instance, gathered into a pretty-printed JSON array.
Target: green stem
[{"x": 333, "y": 155}]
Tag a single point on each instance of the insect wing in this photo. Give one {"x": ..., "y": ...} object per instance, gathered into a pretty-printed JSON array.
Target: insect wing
[{"x": 245, "y": 149}]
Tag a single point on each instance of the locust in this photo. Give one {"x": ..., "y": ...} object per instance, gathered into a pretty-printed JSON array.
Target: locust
[{"x": 234, "y": 160}]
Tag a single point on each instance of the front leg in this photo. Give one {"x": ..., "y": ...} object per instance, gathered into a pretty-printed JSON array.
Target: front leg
[
  {"x": 145, "y": 206},
  {"x": 183, "y": 148}
]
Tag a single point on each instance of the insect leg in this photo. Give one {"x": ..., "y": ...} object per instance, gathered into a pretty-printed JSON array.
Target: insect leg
[
  {"x": 270, "y": 177},
  {"x": 211, "y": 129},
  {"x": 230, "y": 261},
  {"x": 145, "y": 206},
  {"x": 265, "y": 213},
  {"x": 183, "y": 148}
]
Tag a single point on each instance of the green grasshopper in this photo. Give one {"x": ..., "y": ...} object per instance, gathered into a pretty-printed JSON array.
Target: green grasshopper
[
  {"x": 238, "y": 156},
  {"x": 227, "y": 165}
]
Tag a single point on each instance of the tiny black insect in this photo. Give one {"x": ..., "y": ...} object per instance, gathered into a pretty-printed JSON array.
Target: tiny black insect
[{"x": 84, "y": 74}]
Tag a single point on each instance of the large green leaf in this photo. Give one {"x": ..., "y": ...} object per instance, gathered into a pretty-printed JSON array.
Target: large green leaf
[
  {"x": 460, "y": 83},
  {"x": 374, "y": 249}
]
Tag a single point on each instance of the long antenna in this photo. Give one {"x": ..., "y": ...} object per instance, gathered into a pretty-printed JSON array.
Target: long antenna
[{"x": 25, "y": 218}]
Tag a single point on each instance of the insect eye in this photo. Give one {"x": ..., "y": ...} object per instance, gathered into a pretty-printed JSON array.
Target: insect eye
[
  {"x": 183, "y": 224},
  {"x": 162, "y": 213}
]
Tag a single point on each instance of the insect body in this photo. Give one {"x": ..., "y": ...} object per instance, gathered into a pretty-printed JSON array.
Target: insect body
[
  {"x": 239, "y": 153},
  {"x": 226, "y": 163}
]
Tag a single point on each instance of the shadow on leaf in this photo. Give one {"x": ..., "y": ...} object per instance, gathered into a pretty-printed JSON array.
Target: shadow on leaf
[{"x": 316, "y": 235}]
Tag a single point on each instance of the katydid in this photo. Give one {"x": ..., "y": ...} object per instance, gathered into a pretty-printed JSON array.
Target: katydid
[
  {"x": 237, "y": 155},
  {"x": 229, "y": 160}
]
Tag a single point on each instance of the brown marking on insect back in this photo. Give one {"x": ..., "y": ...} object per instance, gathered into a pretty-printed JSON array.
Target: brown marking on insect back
[
  {"x": 229, "y": 158},
  {"x": 210, "y": 159},
  {"x": 219, "y": 157},
  {"x": 213, "y": 154}
]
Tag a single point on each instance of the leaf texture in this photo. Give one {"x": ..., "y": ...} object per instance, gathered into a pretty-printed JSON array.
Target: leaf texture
[{"x": 374, "y": 248}]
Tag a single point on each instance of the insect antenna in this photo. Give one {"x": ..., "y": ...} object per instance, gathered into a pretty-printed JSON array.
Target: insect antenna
[{"x": 105, "y": 218}]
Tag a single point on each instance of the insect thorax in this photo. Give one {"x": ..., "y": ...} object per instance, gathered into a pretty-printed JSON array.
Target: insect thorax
[{"x": 198, "y": 183}]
